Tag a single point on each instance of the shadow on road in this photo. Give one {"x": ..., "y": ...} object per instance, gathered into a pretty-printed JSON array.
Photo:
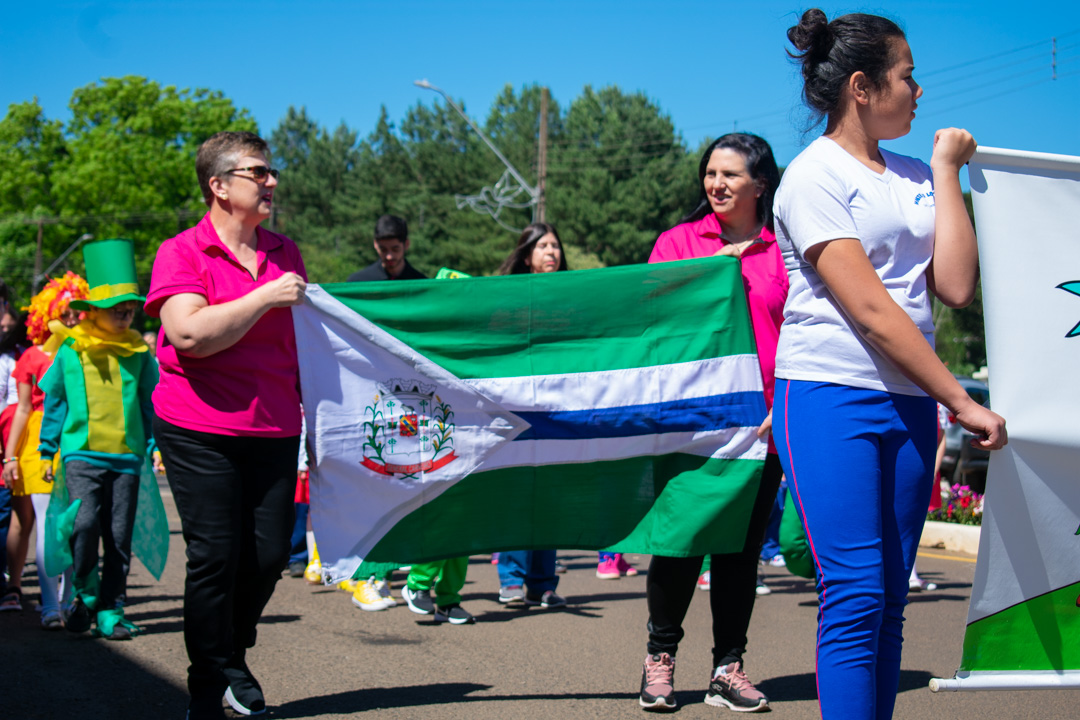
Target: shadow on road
[
  {"x": 795, "y": 688},
  {"x": 58, "y": 676},
  {"x": 354, "y": 701}
]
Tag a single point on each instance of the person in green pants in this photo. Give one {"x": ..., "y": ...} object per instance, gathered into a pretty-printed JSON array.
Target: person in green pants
[{"x": 447, "y": 577}]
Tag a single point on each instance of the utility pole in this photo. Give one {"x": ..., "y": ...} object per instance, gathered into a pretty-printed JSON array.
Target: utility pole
[{"x": 541, "y": 158}]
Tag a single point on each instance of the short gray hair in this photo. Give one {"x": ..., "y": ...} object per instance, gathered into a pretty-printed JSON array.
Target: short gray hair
[{"x": 220, "y": 152}]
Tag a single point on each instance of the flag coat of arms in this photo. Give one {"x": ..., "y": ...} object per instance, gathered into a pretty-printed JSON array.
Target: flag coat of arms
[{"x": 612, "y": 408}]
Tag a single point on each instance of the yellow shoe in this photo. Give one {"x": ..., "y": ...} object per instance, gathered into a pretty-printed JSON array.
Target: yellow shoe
[
  {"x": 313, "y": 573},
  {"x": 348, "y": 586},
  {"x": 366, "y": 597}
]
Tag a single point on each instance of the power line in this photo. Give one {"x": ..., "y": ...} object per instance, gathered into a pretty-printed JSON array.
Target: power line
[
  {"x": 995, "y": 56},
  {"x": 1041, "y": 56},
  {"x": 997, "y": 81},
  {"x": 781, "y": 114},
  {"x": 114, "y": 217},
  {"x": 969, "y": 103}
]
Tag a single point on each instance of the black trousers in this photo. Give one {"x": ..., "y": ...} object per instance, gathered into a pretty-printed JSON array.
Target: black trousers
[
  {"x": 107, "y": 513},
  {"x": 235, "y": 500},
  {"x": 669, "y": 587}
]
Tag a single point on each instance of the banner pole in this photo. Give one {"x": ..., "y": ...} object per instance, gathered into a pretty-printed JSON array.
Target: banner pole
[{"x": 1018, "y": 680}]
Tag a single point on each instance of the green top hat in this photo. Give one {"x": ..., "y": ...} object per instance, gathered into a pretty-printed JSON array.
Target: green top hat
[{"x": 110, "y": 272}]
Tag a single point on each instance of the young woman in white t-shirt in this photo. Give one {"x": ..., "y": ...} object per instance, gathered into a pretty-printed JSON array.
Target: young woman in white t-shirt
[{"x": 866, "y": 236}]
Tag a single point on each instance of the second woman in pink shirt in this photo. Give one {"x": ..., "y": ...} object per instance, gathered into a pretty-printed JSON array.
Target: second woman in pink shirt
[{"x": 733, "y": 217}]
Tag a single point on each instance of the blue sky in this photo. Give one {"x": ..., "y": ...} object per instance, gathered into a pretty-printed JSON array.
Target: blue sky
[{"x": 712, "y": 66}]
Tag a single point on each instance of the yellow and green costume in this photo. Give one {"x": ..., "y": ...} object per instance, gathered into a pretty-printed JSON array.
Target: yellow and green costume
[
  {"x": 98, "y": 404},
  {"x": 98, "y": 410}
]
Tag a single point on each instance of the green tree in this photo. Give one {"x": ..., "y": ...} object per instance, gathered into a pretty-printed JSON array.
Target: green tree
[
  {"x": 450, "y": 159},
  {"x": 124, "y": 166},
  {"x": 31, "y": 148},
  {"x": 130, "y": 170},
  {"x": 618, "y": 174},
  {"x": 960, "y": 336},
  {"x": 314, "y": 203}
]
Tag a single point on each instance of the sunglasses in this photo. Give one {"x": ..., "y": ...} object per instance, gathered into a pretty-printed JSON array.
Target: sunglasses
[{"x": 258, "y": 172}]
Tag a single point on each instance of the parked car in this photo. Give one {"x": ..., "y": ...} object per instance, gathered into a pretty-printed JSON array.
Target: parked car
[{"x": 963, "y": 463}]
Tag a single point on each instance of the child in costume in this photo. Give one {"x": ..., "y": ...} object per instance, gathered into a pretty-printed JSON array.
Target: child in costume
[
  {"x": 24, "y": 469},
  {"x": 98, "y": 415},
  {"x": 446, "y": 577}
]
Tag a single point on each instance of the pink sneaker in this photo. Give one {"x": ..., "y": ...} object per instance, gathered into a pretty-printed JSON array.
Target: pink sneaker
[
  {"x": 625, "y": 568},
  {"x": 608, "y": 569},
  {"x": 658, "y": 683},
  {"x": 731, "y": 688}
]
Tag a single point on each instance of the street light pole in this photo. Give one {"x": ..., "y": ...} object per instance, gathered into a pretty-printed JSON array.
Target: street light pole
[{"x": 532, "y": 192}]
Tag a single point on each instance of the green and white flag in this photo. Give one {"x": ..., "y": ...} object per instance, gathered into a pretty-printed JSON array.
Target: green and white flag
[
  {"x": 1024, "y": 620},
  {"x": 611, "y": 408}
]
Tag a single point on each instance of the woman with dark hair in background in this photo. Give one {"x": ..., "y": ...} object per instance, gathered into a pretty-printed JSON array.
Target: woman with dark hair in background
[
  {"x": 529, "y": 576},
  {"x": 738, "y": 177},
  {"x": 538, "y": 250},
  {"x": 866, "y": 236}
]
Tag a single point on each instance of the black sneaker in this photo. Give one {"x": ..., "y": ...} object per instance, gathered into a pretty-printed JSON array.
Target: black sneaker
[
  {"x": 455, "y": 615},
  {"x": 731, "y": 688},
  {"x": 297, "y": 568},
  {"x": 244, "y": 693},
  {"x": 419, "y": 601},
  {"x": 77, "y": 619},
  {"x": 548, "y": 600}
]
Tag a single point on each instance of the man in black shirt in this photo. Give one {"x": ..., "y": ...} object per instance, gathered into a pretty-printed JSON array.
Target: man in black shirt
[{"x": 391, "y": 243}]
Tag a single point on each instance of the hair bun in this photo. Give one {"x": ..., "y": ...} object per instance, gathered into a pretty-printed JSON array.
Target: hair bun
[{"x": 812, "y": 35}]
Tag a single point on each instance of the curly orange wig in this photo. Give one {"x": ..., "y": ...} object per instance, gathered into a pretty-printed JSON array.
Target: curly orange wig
[{"x": 50, "y": 304}]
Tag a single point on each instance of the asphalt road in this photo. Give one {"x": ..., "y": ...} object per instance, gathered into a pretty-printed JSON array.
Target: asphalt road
[{"x": 319, "y": 657}]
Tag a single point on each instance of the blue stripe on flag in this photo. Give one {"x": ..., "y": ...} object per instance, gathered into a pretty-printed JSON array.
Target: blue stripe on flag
[{"x": 716, "y": 412}]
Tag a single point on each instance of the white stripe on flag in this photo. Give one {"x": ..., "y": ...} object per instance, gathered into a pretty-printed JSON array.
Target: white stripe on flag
[{"x": 621, "y": 388}]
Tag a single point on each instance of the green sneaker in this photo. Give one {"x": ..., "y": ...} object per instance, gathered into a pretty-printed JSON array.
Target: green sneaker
[{"x": 112, "y": 625}]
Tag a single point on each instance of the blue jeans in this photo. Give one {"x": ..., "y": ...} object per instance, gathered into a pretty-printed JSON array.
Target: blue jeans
[
  {"x": 770, "y": 548},
  {"x": 298, "y": 542},
  {"x": 535, "y": 569},
  {"x": 5, "y": 523},
  {"x": 860, "y": 465}
]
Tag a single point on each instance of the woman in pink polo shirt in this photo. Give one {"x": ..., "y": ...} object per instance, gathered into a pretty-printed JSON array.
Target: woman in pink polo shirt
[
  {"x": 733, "y": 217},
  {"x": 228, "y": 412}
]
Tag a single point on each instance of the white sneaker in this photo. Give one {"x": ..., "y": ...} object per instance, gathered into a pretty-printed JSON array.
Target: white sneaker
[
  {"x": 384, "y": 592},
  {"x": 762, "y": 588}
]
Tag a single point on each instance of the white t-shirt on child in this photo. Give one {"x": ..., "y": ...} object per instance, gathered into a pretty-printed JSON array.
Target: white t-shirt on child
[{"x": 826, "y": 194}]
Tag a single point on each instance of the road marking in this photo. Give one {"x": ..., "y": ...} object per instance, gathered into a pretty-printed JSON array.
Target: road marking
[{"x": 946, "y": 557}]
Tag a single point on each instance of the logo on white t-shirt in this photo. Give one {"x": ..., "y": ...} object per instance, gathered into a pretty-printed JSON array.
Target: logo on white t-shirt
[{"x": 925, "y": 199}]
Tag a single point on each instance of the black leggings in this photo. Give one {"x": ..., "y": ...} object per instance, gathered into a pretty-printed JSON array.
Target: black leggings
[
  {"x": 669, "y": 587},
  {"x": 235, "y": 500}
]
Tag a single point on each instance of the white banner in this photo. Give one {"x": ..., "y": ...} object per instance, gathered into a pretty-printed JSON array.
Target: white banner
[{"x": 1024, "y": 620}]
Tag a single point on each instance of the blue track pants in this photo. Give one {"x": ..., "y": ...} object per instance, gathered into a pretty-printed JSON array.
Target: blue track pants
[{"x": 860, "y": 464}]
